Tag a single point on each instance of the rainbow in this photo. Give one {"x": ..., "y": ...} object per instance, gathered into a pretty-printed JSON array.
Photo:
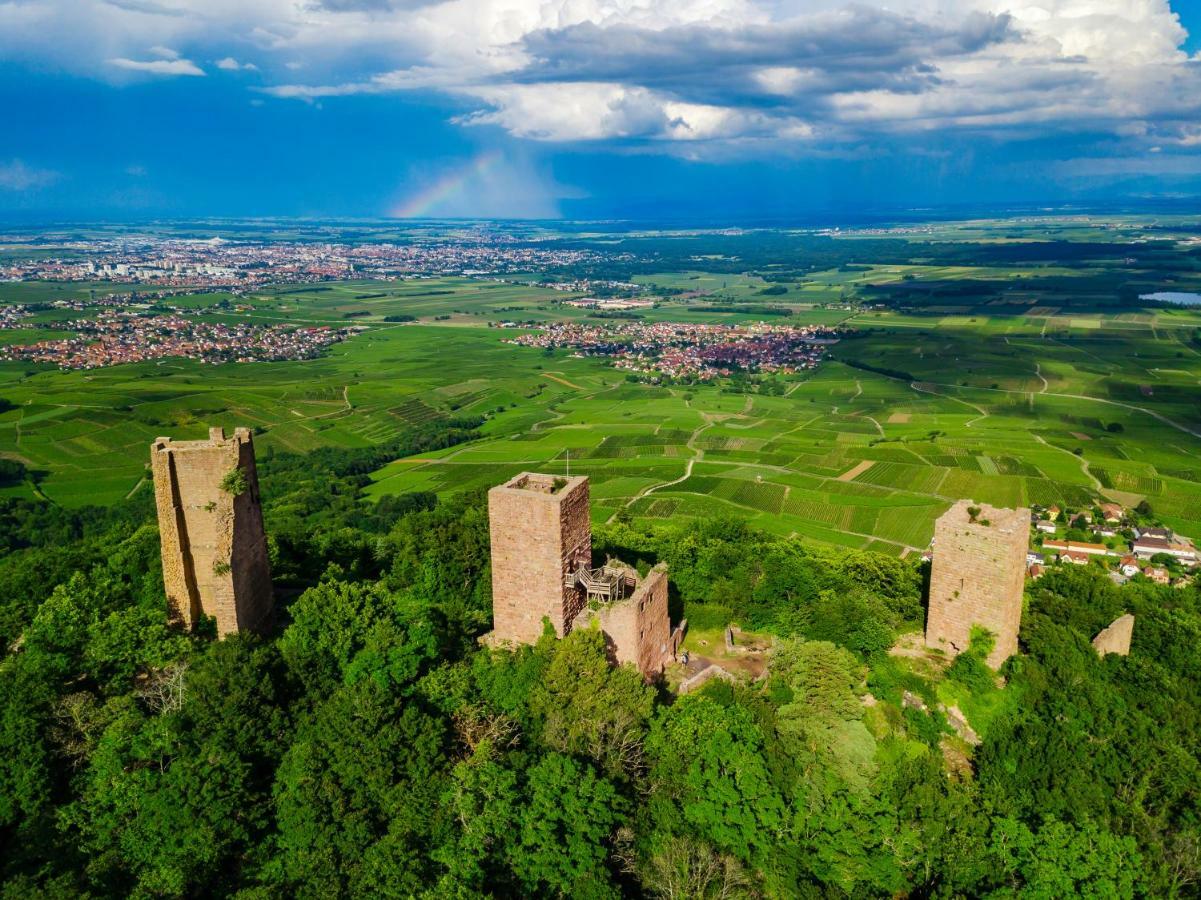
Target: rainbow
[{"x": 422, "y": 203}]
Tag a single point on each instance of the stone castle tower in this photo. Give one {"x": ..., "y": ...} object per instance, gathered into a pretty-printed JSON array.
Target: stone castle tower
[
  {"x": 541, "y": 536},
  {"x": 211, "y": 524},
  {"x": 541, "y": 533},
  {"x": 977, "y": 578}
]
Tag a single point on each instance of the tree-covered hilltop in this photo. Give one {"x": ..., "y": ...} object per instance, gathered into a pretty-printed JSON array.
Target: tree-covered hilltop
[{"x": 370, "y": 747}]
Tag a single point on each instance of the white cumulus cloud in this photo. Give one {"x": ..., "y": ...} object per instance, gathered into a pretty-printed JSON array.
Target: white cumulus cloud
[
  {"x": 158, "y": 66},
  {"x": 811, "y": 73},
  {"x": 229, "y": 64},
  {"x": 16, "y": 176}
]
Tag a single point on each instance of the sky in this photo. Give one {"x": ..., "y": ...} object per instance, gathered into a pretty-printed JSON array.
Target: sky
[{"x": 705, "y": 110}]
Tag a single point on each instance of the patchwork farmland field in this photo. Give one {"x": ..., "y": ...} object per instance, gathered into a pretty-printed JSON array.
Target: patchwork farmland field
[
  {"x": 916, "y": 409},
  {"x": 859, "y": 457}
]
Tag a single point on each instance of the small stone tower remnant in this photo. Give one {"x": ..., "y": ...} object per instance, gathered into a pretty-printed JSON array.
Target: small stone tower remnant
[
  {"x": 1116, "y": 637},
  {"x": 541, "y": 535},
  {"x": 977, "y": 578},
  {"x": 211, "y": 524},
  {"x": 634, "y": 617}
]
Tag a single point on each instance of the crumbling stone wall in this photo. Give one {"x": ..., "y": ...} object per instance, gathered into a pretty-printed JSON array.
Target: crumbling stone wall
[
  {"x": 1115, "y": 638},
  {"x": 638, "y": 628},
  {"x": 704, "y": 676},
  {"x": 977, "y": 578},
  {"x": 214, "y": 549},
  {"x": 539, "y": 534}
]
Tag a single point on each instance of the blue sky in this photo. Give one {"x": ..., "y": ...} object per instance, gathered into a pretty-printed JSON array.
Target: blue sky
[{"x": 681, "y": 109}]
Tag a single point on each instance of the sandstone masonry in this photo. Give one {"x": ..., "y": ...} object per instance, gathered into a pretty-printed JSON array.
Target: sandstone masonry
[
  {"x": 213, "y": 545},
  {"x": 541, "y": 532},
  {"x": 1116, "y": 637},
  {"x": 977, "y": 578},
  {"x": 637, "y": 628},
  {"x": 541, "y": 535}
]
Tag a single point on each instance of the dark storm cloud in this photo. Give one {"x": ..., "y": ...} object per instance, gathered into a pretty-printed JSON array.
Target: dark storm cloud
[{"x": 854, "y": 50}]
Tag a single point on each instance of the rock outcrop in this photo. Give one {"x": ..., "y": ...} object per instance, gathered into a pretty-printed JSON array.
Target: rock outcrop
[{"x": 1116, "y": 637}]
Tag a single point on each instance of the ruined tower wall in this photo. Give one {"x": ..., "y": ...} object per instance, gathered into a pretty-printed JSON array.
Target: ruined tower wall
[
  {"x": 1116, "y": 637},
  {"x": 638, "y": 628},
  {"x": 538, "y": 536},
  {"x": 977, "y": 578},
  {"x": 214, "y": 549},
  {"x": 655, "y": 645},
  {"x": 179, "y": 581},
  {"x": 575, "y": 529},
  {"x": 251, "y": 569}
]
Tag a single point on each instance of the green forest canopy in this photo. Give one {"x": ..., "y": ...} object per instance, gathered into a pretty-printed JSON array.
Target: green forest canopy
[{"x": 369, "y": 747}]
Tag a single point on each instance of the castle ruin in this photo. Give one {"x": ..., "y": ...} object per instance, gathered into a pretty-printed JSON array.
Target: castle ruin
[
  {"x": 541, "y": 534},
  {"x": 977, "y": 578},
  {"x": 634, "y": 620},
  {"x": 211, "y": 526},
  {"x": 1115, "y": 637}
]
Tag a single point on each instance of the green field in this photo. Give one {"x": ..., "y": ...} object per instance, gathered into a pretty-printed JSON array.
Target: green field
[
  {"x": 1011, "y": 396},
  {"x": 848, "y": 456}
]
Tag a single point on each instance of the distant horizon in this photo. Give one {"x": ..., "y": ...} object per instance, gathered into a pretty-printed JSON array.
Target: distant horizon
[{"x": 817, "y": 218}]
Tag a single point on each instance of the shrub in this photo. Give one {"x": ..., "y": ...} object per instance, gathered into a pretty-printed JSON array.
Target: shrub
[
  {"x": 235, "y": 482},
  {"x": 924, "y": 726},
  {"x": 969, "y": 668},
  {"x": 971, "y": 671},
  {"x": 705, "y": 616},
  {"x": 11, "y": 471}
]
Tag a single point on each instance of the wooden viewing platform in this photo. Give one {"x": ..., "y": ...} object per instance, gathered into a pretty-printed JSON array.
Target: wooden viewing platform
[{"x": 603, "y": 584}]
